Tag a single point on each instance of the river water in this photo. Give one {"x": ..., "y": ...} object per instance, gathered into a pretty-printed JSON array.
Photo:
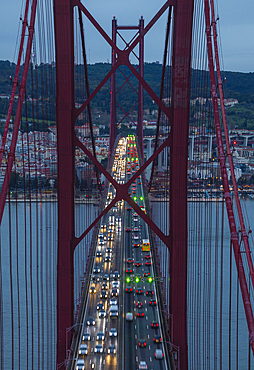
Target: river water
[{"x": 28, "y": 284}]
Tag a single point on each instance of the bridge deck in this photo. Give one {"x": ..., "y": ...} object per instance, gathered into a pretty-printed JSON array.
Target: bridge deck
[{"x": 122, "y": 272}]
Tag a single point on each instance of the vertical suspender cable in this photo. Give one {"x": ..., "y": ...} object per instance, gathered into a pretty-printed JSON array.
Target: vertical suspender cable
[
  {"x": 18, "y": 112},
  {"x": 229, "y": 153},
  {"x": 232, "y": 225}
]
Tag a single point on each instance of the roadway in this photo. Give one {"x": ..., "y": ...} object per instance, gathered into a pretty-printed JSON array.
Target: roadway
[{"x": 119, "y": 263}]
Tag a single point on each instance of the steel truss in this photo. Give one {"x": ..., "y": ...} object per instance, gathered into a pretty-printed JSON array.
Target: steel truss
[{"x": 178, "y": 116}]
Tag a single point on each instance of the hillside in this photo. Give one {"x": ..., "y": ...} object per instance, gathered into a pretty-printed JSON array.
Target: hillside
[{"x": 236, "y": 85}]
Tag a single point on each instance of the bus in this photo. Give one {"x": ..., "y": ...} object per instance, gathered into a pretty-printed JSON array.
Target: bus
[{"x": 145, "y": 245}]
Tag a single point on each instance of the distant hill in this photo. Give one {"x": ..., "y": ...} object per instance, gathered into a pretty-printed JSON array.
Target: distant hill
[{"x": 236, "y": 85}]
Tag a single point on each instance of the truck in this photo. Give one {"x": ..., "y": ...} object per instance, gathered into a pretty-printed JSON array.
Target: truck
[{"x": 145, "y": 245}]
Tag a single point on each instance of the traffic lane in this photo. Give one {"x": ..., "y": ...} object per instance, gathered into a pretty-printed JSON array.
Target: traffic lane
[{"x": 129, "y": 345}]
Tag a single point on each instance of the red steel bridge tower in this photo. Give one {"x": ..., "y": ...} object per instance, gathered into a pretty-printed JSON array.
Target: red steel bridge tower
[
  {"x": 175, "y": 111},
  {"x": 178, "y": 115}
]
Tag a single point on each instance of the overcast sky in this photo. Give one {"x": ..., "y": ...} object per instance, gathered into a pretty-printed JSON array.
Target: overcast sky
[{"x": 236, "y": 27}]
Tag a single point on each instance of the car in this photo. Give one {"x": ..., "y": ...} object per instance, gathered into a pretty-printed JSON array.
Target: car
[
  {"x": 90, "y": 321},
  {"x": 157, "y": 338},
  {"x": 152, "y": 302},
  {"x": 106, "y": 277},
  {"x": 102, "y": 314},
  {"x": 100, "y": 306},
  {"x": 147, "y": 273},
  {"x": 128, "y": 289},
  {"x": 142, "y": 343},
  {"x": 129, "y": 260},
  {"x": 111, "y": 349},
  {"x": 100, "y": 336},
  {"x": 83, "y": 349},
  {"x": 116, "y": 275},
  {"x": 129, "y": 316},
  {"x": 159, "y": 354},
  {"x": 128, "y": 208},
  {"x": 139, "y": 304},
  {"x": 101, "y": 242},
  {"x": 147, "y": 256},
  {"x": 154, "y": 324},
  {"x": 115, "y": 284},
  {"x": 140, "y": 314},
  {"x": 128, "y": 229},
  {"x": 113, "y": 301},
  {"x": 96, "y": 270},
  {"x": 148, "y": 263},
  {"x": 104, "y": 286},
  {"x": 92, "y": 290},
  {"x": 136, "y": 245},
  {"x": 98, "y": 254},
  {"x": 110, "y": 237},
  {"x": 149, "y": 292},
  {"x": 108, "y": 250},
  {"x": 104, "y": 294},
  {"x": 86, "y": 336},
  {"x": 139, "y": 291},
  {"x": 107, "y": 259},
  {"x": 114, "y": 292},
  {"x": 129, "y": 271},
  {"x": 135, "y": 237},
  {"x": 113, "y": 332},
  {"x": 142, "y": 365},
  {"x": 100, "y": 236},
  {"x": 137, "y": 263},
  {"x": 135, "y": 219},
  {"x": 136, "y": 229},
  {"x": 80, "y": 364},
  {"x": 98, "y": 348},
  {"x": 95, "y": 278}
]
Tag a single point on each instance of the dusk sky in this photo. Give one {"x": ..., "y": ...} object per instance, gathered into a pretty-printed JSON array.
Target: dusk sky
[{"x": 236, "y": 27}]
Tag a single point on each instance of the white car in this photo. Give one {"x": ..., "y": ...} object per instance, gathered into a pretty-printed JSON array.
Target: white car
[
  {"x": 159, "y": 354},
  {"x": 142, "y": 365},
  {"x": 129, "y": 316},
  {"x": 113, "y": 301},
  {"x": 83, "y": 349},
  {"x": 80, "y": 365}
]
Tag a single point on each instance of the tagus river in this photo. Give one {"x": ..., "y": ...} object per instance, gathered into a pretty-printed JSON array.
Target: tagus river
[{"x": 28, "y": 260}]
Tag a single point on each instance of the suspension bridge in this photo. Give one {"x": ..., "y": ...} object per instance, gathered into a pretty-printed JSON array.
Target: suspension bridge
[{"x": 141, "y": 263}]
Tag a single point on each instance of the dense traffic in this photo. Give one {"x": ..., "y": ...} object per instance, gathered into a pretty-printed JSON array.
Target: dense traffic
[{"x": 122, "y": 328}]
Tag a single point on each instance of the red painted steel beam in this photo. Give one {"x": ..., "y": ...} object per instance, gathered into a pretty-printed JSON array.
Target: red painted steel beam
[
  {"x": 15, "y": 82},
  {"x": 232, "y": 225},
  {"x": 65, "y": 106},
  {"x": 11, "y": 155},
  {"x": 229, "y": 153},
  {"x": 113, "y": 121},
  {"x": 140, "y": 93},
  {"x": 128, "y": 27},
  {"x": 181, "y": 86},
  {"x": 88, "y": 92},
  {"x": 165, "y": 54}
]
